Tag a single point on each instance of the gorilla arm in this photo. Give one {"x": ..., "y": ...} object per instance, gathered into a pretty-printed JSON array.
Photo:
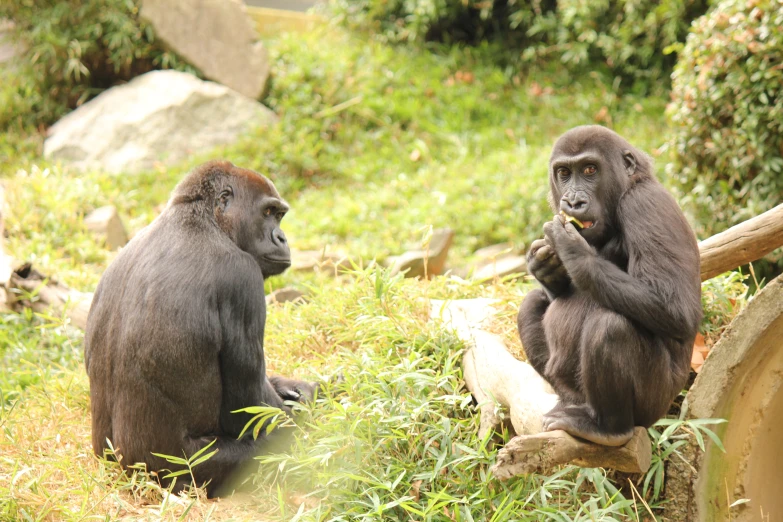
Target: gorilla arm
[
  {"x": 242, "y": 366},
  {"x": 663, "y": 263}
]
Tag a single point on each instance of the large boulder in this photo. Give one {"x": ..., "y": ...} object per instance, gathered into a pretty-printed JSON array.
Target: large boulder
[
  {"x": 217, "y": 36},
  {"x": 161, "y": 115}
]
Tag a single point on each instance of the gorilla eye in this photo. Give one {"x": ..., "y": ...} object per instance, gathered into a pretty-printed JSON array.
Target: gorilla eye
[
  {"x": 280, "y": 215},
  {"x": 268, "y": 211},
  {"x": 562, "y": 172},
  {"x": 590, "y": 170}
]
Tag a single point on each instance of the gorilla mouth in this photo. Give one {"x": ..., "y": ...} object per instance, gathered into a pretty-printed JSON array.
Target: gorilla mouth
[
  {"x": 582, "y": 225},
  {"x": 278, "y": 259}
]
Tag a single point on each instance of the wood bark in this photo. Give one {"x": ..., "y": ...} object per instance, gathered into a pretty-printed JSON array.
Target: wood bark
[
  {"x": 23, "y": 287},
  {"x": 742, "y": 244},
  {"x": 541, "y": 452}
]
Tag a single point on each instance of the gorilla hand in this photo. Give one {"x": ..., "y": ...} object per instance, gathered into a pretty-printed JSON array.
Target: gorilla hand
[
  {"x": 293, "y": 390},
  {"x": 568, "y": 243},
  {"x": 546, "y": 267}
]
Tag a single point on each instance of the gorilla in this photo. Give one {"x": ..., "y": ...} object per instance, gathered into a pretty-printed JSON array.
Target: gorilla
[
  {"x": 613, "y": 327},
  {"x": 175, "y": 335}
]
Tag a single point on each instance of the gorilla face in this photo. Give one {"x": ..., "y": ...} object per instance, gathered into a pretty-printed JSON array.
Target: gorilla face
[
  {"x": 252, "y": 210},
  {"x": 589, "y": 170}
]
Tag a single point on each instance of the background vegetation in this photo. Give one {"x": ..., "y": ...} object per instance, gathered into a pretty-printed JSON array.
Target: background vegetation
[{"x": 387, "y": 128}]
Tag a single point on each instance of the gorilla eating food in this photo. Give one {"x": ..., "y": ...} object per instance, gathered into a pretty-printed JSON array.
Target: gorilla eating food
[
  {"x": 613, "y": 327},
  {"x": 175, "y": 335}
]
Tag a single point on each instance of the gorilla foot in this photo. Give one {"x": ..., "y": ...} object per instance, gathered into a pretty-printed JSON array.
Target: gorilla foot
[{"x": 578, "y": 420}]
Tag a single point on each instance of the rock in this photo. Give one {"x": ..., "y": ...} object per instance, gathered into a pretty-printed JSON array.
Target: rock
[
  {"x": 216, "y": 36},
  {"x": 161, "y": 114},
  {"x": 429, "y": 262},
  {"x": 492, "y": 252},
  {"x": 742, "y": 382},
  {"x": 285, "y": 295},
  {"x": 105, "y": 222},
  {"x": 317, "y": 260},
  {"x": 501, "y": 267}
]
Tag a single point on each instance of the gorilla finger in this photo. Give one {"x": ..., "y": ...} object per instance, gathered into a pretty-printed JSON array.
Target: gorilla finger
[
  {"x": 544, "y": 253},
  {"x": 289, "y": 394}
]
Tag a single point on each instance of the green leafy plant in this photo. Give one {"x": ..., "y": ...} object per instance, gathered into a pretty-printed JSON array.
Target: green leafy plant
[
  {"x": 74, "y": 50},
  {"x": 668, "y": 436},
  {"x": 727, "y": 114}
]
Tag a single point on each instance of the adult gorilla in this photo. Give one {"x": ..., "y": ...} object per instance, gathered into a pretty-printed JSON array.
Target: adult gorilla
[
  {"x": 175, "y": 335},
  {"x": 613, "y": 327}
]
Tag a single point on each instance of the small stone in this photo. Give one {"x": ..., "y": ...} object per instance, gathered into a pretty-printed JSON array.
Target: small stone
[
  {"x": 318, "y": 260},
  {"x": 285, "y": 295},
  {"x": 429, "y": 262},
  {"x": 105, "y": 222},
  {"x": 495, "y": 252},
  {"x": 502, "y": 267}
]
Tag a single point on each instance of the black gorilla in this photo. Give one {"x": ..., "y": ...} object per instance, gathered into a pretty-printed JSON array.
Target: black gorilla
[
  {"x": 175, "y": 334},
  {"x": 613, "y": 327}
]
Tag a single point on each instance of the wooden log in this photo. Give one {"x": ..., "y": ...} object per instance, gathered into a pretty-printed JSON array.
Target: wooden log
[
  {"x": 28, "y": 288},
  {"x": 742, "y": 244},
  {"x": 541, "y": 452}
]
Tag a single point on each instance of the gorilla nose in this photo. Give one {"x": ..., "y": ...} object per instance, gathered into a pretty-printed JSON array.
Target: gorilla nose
[
  {"x": 573, "y": 202},
  {"x": 279, "y": 237}
]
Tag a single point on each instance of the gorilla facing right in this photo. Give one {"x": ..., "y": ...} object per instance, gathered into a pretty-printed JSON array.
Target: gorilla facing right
[{"x": 175, "y": 335}]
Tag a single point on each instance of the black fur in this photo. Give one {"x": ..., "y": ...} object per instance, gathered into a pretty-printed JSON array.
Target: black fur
[
  {"x": 613, "y": 327},
  {"x": 175, "y": 335}
]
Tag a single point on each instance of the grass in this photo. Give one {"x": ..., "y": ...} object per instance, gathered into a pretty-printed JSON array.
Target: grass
[{"x": 374, "y": 145}]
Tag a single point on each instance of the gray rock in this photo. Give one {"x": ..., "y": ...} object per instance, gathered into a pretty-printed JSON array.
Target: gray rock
[
  {"x": 285, "y": 295},
  {"x": 428, "y": 262},
  {"x": 742, "y": 382},
  {"x": 501, "y": 267},
  {"x": 217, "y": 36},
  {"x": 159, "y": 115},
  {"x": 495, "y": 252},
  {"x": 105, "y": 223},
  {"x": 318, "y": 260}
]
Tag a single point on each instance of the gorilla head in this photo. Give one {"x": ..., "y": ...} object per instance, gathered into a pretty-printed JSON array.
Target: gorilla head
[
  {"x": 245, "y": 206},
  {"x": 590, "y": 169}
]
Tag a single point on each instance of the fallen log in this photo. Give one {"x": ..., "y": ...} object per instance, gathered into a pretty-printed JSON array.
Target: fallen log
[
  {"x": 541, "y": 452},
  {"x": 23, "y": 287},
  {"x": 742, "y": 244}
]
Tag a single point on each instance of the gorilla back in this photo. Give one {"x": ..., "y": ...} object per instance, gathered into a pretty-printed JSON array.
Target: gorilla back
[{"x": 174, "y": 339}]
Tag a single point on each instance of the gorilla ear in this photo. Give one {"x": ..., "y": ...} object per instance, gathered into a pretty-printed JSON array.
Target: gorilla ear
[
  {"x": 630, "y": 162},
  {"x": 224, "y": 199}
]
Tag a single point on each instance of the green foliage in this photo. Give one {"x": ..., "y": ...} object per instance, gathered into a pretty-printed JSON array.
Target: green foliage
[
  {"x": 397, "y": 437},
  {"x": 445, "y": 20},
  {"x": 633, "y": 39},
  {"x": 722, "y": 298},
  {"x": 667, "y": 442},
  {"x": 74, "y": 50},
  {"x": 727, "y": 114}
]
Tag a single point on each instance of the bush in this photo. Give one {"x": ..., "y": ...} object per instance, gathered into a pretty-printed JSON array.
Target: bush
[
  {"x": 727, "y": 112},
  {"x": 75, "y": 49},
  {"x": 634, "y": 40},
  {"x": 444, "y": 20}
]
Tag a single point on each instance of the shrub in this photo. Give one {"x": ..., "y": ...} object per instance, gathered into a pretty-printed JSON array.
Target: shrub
[
  {"x": 727, "y": 113},
  {"x": 634, "y": 40},
  {"x": 444, "y": 20},
  {"x": 75, "y": 49}
]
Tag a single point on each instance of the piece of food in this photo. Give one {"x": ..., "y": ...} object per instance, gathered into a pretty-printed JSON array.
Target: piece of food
[{"x": 572, "y": 219}]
